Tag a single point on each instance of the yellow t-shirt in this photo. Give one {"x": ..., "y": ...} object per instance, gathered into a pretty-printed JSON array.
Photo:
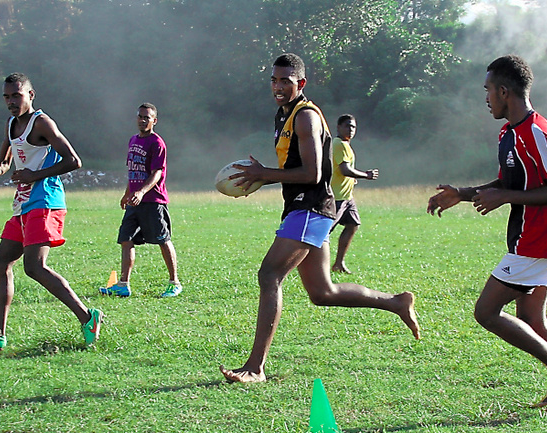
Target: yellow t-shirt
[{"x": 342, "y": 186}]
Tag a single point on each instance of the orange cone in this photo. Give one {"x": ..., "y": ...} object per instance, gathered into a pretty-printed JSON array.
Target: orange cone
[{"x": 113, "y": 279}]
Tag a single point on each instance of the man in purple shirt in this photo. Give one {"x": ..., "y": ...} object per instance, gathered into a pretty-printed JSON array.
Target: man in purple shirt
[{"x": 146, "y": 218}]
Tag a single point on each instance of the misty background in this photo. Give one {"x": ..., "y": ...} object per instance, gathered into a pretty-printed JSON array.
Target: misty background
[{"x": 411, "y": 71}]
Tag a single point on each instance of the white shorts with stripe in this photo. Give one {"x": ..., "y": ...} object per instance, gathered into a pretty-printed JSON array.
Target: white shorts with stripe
[{"x": 521, "y": 273}]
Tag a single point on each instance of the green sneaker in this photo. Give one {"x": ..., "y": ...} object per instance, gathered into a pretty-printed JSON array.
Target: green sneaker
[
  {"x": 92, "y": 328},
  {"x": 3, "y": 342},
  {"x": 172, "y": 290}
]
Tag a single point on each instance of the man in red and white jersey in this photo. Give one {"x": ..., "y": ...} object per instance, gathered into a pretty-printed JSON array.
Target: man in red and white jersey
[{"x": 521, "y": 275}]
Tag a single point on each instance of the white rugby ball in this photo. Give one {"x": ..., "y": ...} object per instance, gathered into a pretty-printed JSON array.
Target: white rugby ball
[{"x": 227, "y": 186}]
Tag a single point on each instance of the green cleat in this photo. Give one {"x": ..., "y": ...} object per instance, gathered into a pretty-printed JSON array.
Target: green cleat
[
  {"x": 92, "y": 328},
  {"x": 3, "y": 342},
  {"x": 172, "y": 290}
]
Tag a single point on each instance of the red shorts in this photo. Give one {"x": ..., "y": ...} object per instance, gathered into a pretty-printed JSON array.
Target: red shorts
[{"x": 39, "y": 226}]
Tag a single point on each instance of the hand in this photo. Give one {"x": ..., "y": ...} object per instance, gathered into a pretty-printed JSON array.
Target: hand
[
  {"x": 448, "y": 197},
  {"x": 249, "y": 174},
  {"x": 489, "y": 199},
  {"x": 373, "y": 174},
  {"x": 123, "y": 202},
  {"x": 134, "y": 198},
  {"x": 23, "y": 176}
]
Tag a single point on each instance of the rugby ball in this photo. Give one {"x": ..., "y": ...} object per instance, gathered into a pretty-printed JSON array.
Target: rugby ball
[{"x": 227, "y": 186}]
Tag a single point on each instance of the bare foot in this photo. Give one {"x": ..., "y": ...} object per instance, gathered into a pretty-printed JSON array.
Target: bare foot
[
  {"x": 542, "y": 403},
  {"x": 340, "y": 268},
  {"x": 242, "y": 375},
  {"x": 408, "y": 314}
]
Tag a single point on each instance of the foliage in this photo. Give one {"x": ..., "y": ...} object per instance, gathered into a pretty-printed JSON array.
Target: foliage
[{"x": 204, "y": 64}]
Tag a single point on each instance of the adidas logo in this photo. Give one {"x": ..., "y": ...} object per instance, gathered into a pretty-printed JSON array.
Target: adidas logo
[
  {"x": 510, "y": 159},
  {"x": 507, "y": 270}
]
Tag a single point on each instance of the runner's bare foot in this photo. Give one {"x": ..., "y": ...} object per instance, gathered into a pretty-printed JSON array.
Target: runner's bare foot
[
  {"x": 340, "y": 268},
  {"x": 242, "y": 375},
  {"x": 408, "y": 314}
]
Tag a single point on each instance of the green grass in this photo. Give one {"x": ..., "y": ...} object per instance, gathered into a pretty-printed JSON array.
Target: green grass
[{"x": 155, "y": 368}]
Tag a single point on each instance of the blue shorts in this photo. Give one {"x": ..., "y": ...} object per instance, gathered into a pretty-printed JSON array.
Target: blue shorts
[{"x": 305, "y": 226}]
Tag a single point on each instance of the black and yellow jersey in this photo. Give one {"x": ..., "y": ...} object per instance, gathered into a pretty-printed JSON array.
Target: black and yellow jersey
[{"x": 315, "y": 197}]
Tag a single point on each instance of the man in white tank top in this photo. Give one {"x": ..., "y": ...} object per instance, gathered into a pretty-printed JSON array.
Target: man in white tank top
[{"x": 41, "y": 154}]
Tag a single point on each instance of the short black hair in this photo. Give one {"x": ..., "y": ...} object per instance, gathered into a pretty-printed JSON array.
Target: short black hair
[
  {"x": 291, "y": 60},
  {"x": 150, "y": 106},
  {"x": 512, "y": 72},
  {"x": 345, "y": 117},
  {"x": 19, "y": 77}
]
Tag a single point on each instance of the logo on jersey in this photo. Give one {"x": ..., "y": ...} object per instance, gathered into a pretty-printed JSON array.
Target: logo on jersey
[
  {"x": 299, "y": 197},
  {"x": 510, "y": 161},
  {"x": 21, "y": 155},
  {"x": 507, "y": 270}
]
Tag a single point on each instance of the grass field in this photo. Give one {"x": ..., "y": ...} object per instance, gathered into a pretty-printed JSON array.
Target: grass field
[{"x": 155, "y": 368}]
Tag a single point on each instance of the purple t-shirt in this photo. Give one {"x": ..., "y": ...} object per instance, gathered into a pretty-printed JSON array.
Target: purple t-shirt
[{"x": 145, "y": 155}]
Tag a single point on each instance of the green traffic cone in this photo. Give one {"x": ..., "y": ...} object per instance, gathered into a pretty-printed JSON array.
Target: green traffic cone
[{"x": 321, "y": 416}]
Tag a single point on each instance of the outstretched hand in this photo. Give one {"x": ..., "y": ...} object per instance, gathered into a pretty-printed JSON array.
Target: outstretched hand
[{"x": 448, "y": 197}]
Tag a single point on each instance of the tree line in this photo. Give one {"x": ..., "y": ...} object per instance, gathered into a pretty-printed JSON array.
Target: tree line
[{"x": 409, "y": 70}]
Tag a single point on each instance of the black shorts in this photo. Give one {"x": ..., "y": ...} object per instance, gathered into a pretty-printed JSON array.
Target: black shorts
[
  {"x": 147, "y": 223},
  {"x": 346, "y": 213}
]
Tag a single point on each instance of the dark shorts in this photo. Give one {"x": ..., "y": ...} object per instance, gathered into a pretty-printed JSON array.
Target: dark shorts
[
  {"x": 346, "y": 213},
  {"x": 147, "y": 223}
]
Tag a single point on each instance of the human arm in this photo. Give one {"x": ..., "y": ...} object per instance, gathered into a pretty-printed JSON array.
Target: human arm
[
  {"x": 134, "y": 198},
  {"x": 347, "y": 170},
  {"x": 451, "y": 196},
  {"x": 308, "y": 128},
  {"x": 486, "y": 200},
  {"x": 45, "y": 132},
  {"x": 123, "y": 200},
  {"x": 6, "y": 156}
]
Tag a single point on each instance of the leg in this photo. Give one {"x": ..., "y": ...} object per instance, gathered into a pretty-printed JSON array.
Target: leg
[
  {"x": 344, "y": 242},
  {"x": 531, "y": 309},
  {"x": 515, "y": 331},
  {"x": 35, "y": 257},
  {"x": 314, "y": 271},
  {"x": 128, "y": 260},
  {"x": 170, "y": 257},
  {"x": 10, "y": 252},
  {"x": 284, "y": 255}
]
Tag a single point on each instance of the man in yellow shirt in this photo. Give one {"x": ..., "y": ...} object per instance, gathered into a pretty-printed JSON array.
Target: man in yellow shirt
[{"x": 344, "y": 178}]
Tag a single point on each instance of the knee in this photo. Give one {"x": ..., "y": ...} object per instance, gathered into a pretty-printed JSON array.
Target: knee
[
  {"x": 32, "y": 269},
  {"x": 484, "y": 316},
  {"x": 5, "y": 266},
  {"x": 267, "y": 278},
  {"x": 323, "y": 298}
]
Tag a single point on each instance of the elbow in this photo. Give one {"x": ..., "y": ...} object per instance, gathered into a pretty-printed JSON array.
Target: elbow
[
  {"x": 314, "y": 177},
  {"x": 75, "y": 163}
]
